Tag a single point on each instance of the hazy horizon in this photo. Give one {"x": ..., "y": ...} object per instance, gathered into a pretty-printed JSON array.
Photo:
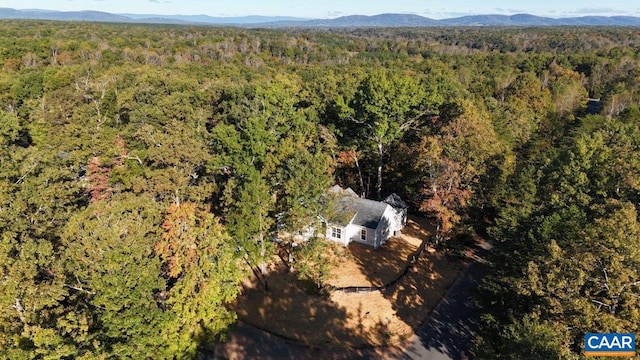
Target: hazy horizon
[{"x": 334, "y": 8}]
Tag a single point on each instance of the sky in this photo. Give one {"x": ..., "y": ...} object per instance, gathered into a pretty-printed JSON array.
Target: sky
[{"x": 336, "y": 8}]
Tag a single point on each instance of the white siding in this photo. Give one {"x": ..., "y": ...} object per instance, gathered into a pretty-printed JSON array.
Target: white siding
[
  {"x": 397, "y": 220},
  {"x": 385, "y": 226},
  {"x": 344, "y": 240},
  {"x": 390, "y": 222},
  {"x": 371, "y": 235},
  {"x": 353, "y": 233}
]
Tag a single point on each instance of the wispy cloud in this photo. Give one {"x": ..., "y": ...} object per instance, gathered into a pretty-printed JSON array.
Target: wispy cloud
[
  {"x": 333, "y": 14},
  {"x": 155, "y": 1},
  {"x": 443, "y": 14},
  {"x": 596, "y": 10},
  {"x": 602, "y": 11},
  {"x": 510, "y": 11}
]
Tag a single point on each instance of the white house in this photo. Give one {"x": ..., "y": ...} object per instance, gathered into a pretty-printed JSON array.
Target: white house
[
  {"x": 365, "y": 221},
  {"x": 399, "y": 206}
]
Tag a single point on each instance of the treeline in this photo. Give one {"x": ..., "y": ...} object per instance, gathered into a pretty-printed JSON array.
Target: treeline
[
  {"x": 567, "y": 259},
  {"x": 145, "y": 171}
]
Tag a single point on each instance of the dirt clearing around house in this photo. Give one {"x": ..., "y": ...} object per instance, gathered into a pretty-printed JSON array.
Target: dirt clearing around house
[
  {"x": 360, "y": 265},
  {"x": 291, "y": 308}
]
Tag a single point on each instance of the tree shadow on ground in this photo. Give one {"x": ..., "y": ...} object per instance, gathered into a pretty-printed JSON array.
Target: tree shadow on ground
[
  {"x": 451, "y": 327},
  {"x": 368, "y": 267},
  {"x": 247, "y": 342},
  {"x": 412, "y": 287},
  {"x": 431, "y": 299},
  {"x": 345, "y": 326},
  {"x": 297, "y": 318}
]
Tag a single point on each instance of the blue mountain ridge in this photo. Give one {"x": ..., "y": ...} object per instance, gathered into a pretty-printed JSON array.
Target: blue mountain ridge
[{"x": 381, "y": 20}]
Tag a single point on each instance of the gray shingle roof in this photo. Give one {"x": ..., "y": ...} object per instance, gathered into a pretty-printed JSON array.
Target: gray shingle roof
[
  {"x": 396, "y": 201},
  {"x": 367, "y": 212},
  {"x": 344, "y": 211}
]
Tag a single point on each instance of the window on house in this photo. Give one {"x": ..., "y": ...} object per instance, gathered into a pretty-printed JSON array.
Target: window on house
[
  {"x": 363, "y": 234},
  {"x": 336, "y": 233}
]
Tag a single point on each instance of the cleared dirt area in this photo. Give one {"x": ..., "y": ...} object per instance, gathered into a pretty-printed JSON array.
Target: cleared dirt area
[
  {"x": 350, "y": 320},
  {"x": 360, "y": 265}
]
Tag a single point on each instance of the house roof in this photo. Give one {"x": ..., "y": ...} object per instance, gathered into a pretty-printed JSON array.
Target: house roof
[
  {"x": 336, "y": 189},
  {"x": 344, "y": 211},
  {"x": 355, "y": 210},
  {"x": 396, "y": 201},
  {"x": 369, "y": 212}
]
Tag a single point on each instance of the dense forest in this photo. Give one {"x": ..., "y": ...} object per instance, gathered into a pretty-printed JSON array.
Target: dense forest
[{"x": 145, "y": 171}]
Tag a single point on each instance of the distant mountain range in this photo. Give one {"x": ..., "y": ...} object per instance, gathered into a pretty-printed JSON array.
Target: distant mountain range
[
  {"x": 382, "y": 20},
  {"x": 213, "y": 20}
]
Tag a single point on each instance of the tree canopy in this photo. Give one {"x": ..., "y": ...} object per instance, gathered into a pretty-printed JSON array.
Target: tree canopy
[{"x": 146, "y": 171}]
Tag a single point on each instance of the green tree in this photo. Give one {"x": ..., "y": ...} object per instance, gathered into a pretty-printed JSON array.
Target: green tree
[
  {"x": 313, "y": 261},
  {"x": 527, "y": 338},
  {"x": 387, "y": 105},
  {"x": 568, "y": 240},
  {"x": 450, "y": 159},
  {"x": 202, "y": 273},
  {"x": 274, "y": 166},
  {"x": 251, "y": 221},
  {"x": 113, "y": 279}
]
